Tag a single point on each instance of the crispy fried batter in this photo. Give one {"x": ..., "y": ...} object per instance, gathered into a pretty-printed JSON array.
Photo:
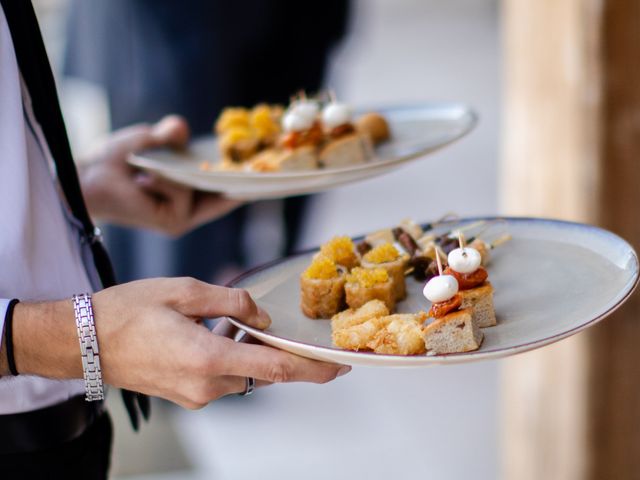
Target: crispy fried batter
[
  {"x": 402, "y": 336},
  {"x": 356, "y": 316},
  {"x": 357, "y": 337}
]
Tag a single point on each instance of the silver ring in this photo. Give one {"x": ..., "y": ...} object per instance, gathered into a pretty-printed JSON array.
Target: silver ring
[{"x": 249, "y": 386}]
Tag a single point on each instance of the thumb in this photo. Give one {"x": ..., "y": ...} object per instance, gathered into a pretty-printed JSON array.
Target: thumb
[
  {"x": 197, "y": 299},
  {"x": 171, "y": 131}
]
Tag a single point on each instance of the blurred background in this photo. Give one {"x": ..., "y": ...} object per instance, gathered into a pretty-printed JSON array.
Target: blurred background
[{"x": 373, "y": 423}]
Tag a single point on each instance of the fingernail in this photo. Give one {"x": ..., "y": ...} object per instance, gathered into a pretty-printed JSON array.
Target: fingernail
[
  {"x": 344, "y": 370},
  {"x": 265, "y": 319}
]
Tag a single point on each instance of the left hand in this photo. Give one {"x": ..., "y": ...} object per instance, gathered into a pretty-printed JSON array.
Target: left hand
[{"x": 119, "y": 193}]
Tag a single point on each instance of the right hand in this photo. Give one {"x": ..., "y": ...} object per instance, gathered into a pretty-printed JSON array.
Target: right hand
[{"x": 151, "y": 341}]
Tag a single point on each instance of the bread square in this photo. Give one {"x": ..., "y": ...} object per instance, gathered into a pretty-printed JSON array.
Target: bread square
[
  {"x": 347, "y": 150},
  {"x": 480, "y": 300},
  {"x": 453, "y": 333}
]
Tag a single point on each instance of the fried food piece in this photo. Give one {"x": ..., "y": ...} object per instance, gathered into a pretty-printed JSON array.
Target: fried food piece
[
  {"x": 238, "y": 144},
  {"x": 351, "y": 316},
  {"x": 480, "y": 301},
  {"x": 265, "y": 123},
  {"x": 453, "y": 333},
  {"x": 342, "y": 251},
  {"x": 364, "y": 285},
  {"x": 231, "y": 118},
  {"x": 388, "y": 257},
  {"x": 322, "y": 289},
  {"x": 374, "y": 125},
  {"x": 358, "y": 336},
  {"x": 403, "y": 335}
]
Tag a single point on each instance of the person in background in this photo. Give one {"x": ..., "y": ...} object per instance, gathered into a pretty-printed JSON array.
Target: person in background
[
  {"x": 194, "y": 58},
  {"x": 66, "y": 328}
]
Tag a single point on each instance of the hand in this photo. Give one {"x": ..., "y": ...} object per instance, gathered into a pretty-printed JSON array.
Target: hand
[
  {"x": 151, "y": 342},
  {"x": 119, "y": 193}
]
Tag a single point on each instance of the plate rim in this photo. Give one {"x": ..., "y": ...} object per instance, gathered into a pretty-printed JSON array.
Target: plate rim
[
  {"x": 142, "y": 160},
  {"x": 463, "y": 357}
]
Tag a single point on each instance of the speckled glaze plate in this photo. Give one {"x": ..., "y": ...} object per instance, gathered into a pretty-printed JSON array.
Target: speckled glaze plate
[
  {"x": 416, "y": 131},
  {"x": 552, "y": 280}
]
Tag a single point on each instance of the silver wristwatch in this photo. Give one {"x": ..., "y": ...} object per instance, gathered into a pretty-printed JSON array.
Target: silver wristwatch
[{"x": 88, "y": 339}]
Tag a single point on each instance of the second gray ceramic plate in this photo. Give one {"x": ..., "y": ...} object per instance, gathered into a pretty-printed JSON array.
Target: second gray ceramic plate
[
  {"x": 552, "y": 280},
  {"x": 416, "y": 131}
]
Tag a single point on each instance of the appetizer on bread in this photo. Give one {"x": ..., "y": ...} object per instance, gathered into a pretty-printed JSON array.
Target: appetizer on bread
[
  {"x": 369, "y": 278},
  {"x": 476, "y": 292},
  {"x": 305, "y": 136},
  {"x": 453, "y": 330}
]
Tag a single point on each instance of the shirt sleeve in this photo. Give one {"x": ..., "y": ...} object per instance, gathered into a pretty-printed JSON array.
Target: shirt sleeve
[{"x": 4, "y": 303}]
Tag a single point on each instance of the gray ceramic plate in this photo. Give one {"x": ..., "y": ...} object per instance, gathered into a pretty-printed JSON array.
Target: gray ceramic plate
[
  {"x": 416, "y": 131},
  {"x": 552, "y": 280}
]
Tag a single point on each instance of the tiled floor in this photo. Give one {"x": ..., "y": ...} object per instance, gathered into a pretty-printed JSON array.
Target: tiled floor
[{"x": 382, "y": 423}]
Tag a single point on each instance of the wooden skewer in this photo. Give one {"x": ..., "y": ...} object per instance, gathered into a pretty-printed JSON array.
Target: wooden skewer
[
  {"x": 500, "y": 240},
  {"x": 464, "y": 228},
  {"x": 438, "y": 261},
  {"x": 461, "y": 240}
]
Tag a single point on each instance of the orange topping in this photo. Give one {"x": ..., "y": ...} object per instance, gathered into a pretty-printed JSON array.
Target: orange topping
[
  {"x": 232, "y": 118},
  {"x": 322, "y": 268},
  {"x": 311, "y": 137},
  {"x": 382, "y": 253},
  {"x": 440, "y": 309},
  {"x": 468, "y": 280},
  {"x": 341, "y": 130},
  {"x": 340, "y": 250},
  {"x": 368, "y": 277}
]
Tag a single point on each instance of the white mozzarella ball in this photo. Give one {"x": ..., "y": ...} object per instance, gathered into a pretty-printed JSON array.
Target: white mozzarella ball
[
  {"x": 440, "y": 288},
  {"x": 464, "y": 260},
  {"x": 305, "y": 109},
  {"x": 336, "y": 114},
  {"x": 294, "y": 122}
]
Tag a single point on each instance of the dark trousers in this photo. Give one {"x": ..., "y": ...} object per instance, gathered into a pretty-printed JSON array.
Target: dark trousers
[{"x": 87, "y": 457}]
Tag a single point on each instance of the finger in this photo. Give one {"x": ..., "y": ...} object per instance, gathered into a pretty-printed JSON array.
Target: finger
[
  {"x": 197, "y": 299},
  {"x": 230, "y": 384},
  {"x": 277, "y": 366},
  {"x": 131, "y": 139},
  {"x": 172, "y": 131}
]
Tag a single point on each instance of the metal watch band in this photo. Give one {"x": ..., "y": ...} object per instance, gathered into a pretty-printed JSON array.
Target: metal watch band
[{"x": 83, "y": 309}]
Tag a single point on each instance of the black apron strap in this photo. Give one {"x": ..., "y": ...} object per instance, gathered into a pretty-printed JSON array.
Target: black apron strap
[{"x": 38, "y": 77}]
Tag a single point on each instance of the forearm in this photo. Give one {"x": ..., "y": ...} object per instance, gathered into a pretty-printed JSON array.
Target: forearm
[{"x": 45, "y": 342}]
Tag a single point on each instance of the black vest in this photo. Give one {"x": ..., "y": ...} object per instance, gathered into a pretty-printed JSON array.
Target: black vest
[{"x": 36, "y": 72}]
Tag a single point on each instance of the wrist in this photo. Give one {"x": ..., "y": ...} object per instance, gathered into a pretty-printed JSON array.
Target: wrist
[{"x": 45, "y": 340}]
